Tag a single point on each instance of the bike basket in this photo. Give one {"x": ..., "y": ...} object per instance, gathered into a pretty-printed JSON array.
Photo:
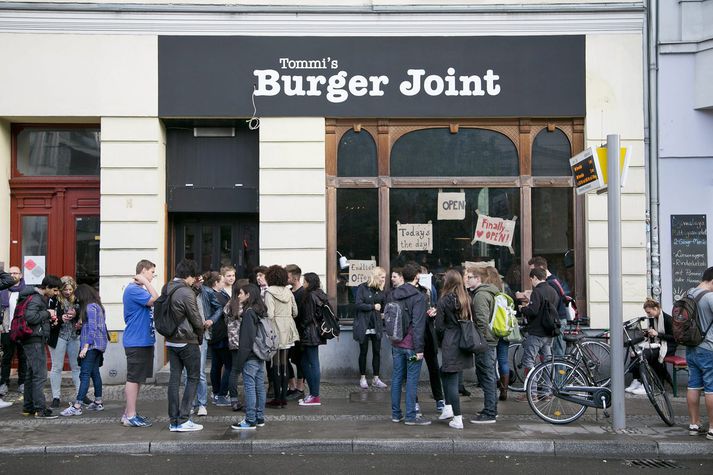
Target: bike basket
[{"x": 635, "y": 335}]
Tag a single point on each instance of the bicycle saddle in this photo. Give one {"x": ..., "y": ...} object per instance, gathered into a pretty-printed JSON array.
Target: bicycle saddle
[{"x": 573, "y": 338}]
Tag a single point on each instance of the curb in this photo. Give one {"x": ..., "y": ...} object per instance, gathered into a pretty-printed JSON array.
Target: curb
[{"x": 557, "y": 448}]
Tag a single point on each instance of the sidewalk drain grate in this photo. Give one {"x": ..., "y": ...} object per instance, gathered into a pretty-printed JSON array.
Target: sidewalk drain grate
[{"x": 653, "y": 463}]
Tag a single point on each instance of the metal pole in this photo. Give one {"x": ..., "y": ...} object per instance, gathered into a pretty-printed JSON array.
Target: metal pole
[{"x": 615, "y": 297}]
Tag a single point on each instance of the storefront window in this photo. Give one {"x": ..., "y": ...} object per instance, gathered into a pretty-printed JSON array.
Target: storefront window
[
  {"x": 553, "y": 231},
  {"x": 550, "y": 154},
  {"x": 438, "y": 152},
  {"x": 58, "y": 152},
  {"x": 357, "y": 154}
]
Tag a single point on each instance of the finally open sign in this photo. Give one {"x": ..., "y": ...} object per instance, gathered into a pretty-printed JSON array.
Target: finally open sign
[{"x": 495, "y": 231}]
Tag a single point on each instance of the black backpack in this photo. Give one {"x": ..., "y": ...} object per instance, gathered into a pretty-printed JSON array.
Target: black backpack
[
  {"x": 329, "y": 326},
  {"x": 687, "y": 328},
  {"x": 163, "y": 320},
  {"x": 549, "y": 318}
]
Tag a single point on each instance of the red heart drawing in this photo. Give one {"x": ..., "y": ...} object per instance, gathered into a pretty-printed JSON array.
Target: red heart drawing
[{"x": 479, "y": 233}]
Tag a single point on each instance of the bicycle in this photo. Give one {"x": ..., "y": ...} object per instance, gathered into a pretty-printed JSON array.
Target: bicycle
[{"x": 560, "y": 390}]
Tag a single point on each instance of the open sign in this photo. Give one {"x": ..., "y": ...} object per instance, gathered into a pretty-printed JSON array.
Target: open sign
[{"x": 451, "y": 206}]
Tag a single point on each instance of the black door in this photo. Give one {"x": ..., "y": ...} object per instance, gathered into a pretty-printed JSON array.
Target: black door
[{"x": 215, "y": 240}]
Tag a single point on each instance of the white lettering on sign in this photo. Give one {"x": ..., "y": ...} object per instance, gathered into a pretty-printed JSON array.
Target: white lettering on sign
[
  {"x": 414, "y": 237},
  {"x": 495, "y": 231},
  {"x": 451, "y": 206},
  {"x": 359, "y": 272}
]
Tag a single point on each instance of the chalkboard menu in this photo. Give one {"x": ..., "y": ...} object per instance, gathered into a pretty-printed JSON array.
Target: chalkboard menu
[{"x": 689, "y": 257}]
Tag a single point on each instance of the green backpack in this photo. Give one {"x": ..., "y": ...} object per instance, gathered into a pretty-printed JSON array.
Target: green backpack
[{"x": 503, "y": 320}]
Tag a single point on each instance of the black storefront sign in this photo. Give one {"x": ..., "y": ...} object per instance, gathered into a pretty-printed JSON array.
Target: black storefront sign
[
  {"x": 520, "y": 76},
  {"x": 689, "y": 251}
]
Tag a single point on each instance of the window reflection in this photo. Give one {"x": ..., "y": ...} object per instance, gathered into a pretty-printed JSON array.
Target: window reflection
[
  {"x": 53, "y": 152},
  {"x": 550, "y": 154},
  {"x": 356, "y": 155},
  {"x": 553, "y": 230}
]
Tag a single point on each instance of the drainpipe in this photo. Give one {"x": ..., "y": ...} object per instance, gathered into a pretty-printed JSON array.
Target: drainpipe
[{"x": 651, "y": 149}]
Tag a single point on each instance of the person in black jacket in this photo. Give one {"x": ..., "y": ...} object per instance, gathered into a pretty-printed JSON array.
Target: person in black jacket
[
  {"x": 368, "y": 325},
  {"x": 308, "y": 325},
  {"x": 6, "y": 280},
  {"x": 38, "y": 318},
  {"x": 252, "y": 367}
]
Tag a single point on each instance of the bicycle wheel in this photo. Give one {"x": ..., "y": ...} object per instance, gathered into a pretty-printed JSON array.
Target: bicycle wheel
[
  {"x": 517, "y": 372},
  {"x": 598, "y": 356},
  {"x": 656, "y": 393},
  {"x": 549, "y": 379}
]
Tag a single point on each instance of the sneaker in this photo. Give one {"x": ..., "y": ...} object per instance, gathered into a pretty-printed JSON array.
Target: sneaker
[
  {"x": 3, "y": 389},
  {"x": 4, "y": 404},
  {"x": 295, "y": 395},
  {"x": 188, "y": 426},
  {"x": 202, "y": 411},
  {"x": 695, "y": 429},
  {"x": 396, "y": 420},
  {"x": 456, "y": 423},
  {"x": 260, "y": 423},
  {"x": 21, "y": 389},
  {"x": 363, "y": 384},
  {"x": 446, "y": 413},
  {"x": 440, "y": 404},
  {"x": 635, "y": 384},
  {"x": 95, "y": 406},
  {"x": 709, "y": 435},
  {"x": 483, "y": 419},
  {"x": 418, "y": 421},
  {"x": 222, "y": 401},
  {"x": 135, "y": 421},
  {"x": 72, "y": 411},
  {"x": 310, "y": 401},
  {"x": 640, "y": 391},
  {"x": 378, "y": 383},
  {"x": 143, "y": 419},
  {"x": 46, "y": 414},
  {"x": 55, "y": 403},
  {"x": 244, "y": 425}
]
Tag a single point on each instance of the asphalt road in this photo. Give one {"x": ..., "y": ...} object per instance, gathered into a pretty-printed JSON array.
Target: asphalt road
[{"x": 338, "y": 464}]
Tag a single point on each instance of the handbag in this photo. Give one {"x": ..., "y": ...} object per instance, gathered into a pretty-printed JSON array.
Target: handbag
[
  {"x": 471, "y": 340},
  {"x": 515, "y": 335}
]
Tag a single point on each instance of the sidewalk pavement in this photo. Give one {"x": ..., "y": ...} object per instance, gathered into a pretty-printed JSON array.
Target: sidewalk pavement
[{"x": 350, "y": 420}]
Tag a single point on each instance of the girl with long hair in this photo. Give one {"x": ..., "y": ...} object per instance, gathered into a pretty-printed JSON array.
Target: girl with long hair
[
  {"x": 309, "y": 324},
  {"x": 64, "y": 338},
  {"x": 368, "y": 326},
  {"x": 453, "y": 306}
]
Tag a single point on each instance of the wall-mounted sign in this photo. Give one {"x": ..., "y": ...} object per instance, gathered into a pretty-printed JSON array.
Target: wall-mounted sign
[
  {"x": 589, "y": 168},
  {"x": 495, "y": 231},
  {"x": 33, "y": 269},
  {"x": 689, "y": 251},
  {"x": 476, "y": 76},
  {"x": 414, "y": 237},
  {"x": 359, "y": 271},
  {"x": 451, "y": 206}
]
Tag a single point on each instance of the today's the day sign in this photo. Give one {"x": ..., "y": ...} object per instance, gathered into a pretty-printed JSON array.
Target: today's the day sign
[{"x": 414, "y": 237}]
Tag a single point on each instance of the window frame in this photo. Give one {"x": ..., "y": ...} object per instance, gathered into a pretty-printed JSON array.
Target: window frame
[{"x": 521, "y": 132}]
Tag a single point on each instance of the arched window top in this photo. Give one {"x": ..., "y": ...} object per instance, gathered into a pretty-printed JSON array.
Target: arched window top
[
  {"x": 551, "y": 152},
  {"x": 470, "y": 152},
  {"x": 356, "y": 155}
]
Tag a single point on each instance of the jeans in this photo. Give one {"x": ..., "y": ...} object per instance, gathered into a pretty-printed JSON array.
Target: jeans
[
  {"x": 71, "y": 348},
  {"x": 202, "y": 391},
  {"x": 502, "y": 352},
  {"x": 411, "y": 370},
  {"x": 700, "y": 369},
  {"x": 9, "y": 349},
  {"x": 234, "y": 375},
  {"x": 375, "y": 354},
  {"x": 485, "y": 370},
  {"x": 430, "y": 355},
  {"x": 35, "y": 377},
  {"x": 220, "y": 365},
  {"x": 254, "y": 387},
  {"x": 90, "y": 369},
  {"x": 188, "y": 357},
  {"x": 559, "y": 346},
  {"x": 534, "y": 345},
  {"x": 450, "y": 388},
  {"x": 310, "y": 368}
]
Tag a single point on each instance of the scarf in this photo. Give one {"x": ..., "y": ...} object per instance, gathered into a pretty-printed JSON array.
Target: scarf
[
  {"x": 661, "y": 330},
  {"x": 5, "y": 294}
]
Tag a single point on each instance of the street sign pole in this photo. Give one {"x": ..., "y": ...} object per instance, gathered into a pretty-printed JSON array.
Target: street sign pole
[{"x": 615, "y": 293}]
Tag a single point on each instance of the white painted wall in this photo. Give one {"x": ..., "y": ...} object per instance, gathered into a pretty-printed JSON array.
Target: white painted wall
[{"x": 615, "y": 105}]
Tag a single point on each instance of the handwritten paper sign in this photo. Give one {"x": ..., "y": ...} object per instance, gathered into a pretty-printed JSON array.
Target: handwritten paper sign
[
  {"x": 414, "y": 237},
  {"x": 451, "y": 206},
  {"x": 33, "y": 269},
  {"x": 483, "y": 264},
  {"x": 495, "y": 231},
  {"x": 359, "y": 272},
  {"x": 689, "y": 251}
]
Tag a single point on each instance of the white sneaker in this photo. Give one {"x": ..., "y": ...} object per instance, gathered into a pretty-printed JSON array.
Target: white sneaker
[
  {"x": 640, "y": 391},
  {"x": 3, "y": 389},
  {"x": 188, "y": 426},
  {"x": 447, "y": 413},
  {"x": 4, "y": 404},
  {"x": 363, "y": 384},
  {"x": 635, "y": 384},
  {"x": 457, "y": 422},
  {"x": 202, "y": 411},
  {"x": 378, "y": 383}
]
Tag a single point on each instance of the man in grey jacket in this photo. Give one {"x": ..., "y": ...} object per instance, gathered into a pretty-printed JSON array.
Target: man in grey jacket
[
  {"x": 38, "y": 318},
  {"x": 184, "y": 346}
]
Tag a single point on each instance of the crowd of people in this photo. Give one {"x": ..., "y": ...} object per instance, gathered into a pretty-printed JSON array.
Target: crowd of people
[{"x": 231, "y": 317}]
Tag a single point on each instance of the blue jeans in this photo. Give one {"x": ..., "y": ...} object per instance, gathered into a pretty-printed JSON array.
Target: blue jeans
[
  {"x": 254, "y": 387},
  {"x": 411, "y": 370},
  {"x": 90, "y": 369},
  {"x": 485, "y": 371},
  {"x": 310, "y": 368},
  {"x": 502, "y": 351},
  {"x": 71, "y": 348},
  {"x": 700, "y": 369},
  {"x": 202, "y": 391}
]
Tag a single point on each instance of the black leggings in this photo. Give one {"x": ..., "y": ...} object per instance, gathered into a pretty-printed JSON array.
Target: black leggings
[
  {"x": 430, "y": 354},
  {"x": 375, "y": 354},
  {"x": 450, "y": 387},
  {"x": 279, "y": 376}
]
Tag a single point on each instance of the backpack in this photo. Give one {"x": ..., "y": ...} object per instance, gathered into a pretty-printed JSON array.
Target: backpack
[
  {"x": 329, "y": 326},
  {"x": 266, "y": 342},
  {"x": 396, "y": 320},
  {"x": 19, "y": 328},
  {"x": 687, "y": 329},
  {"x": 549, "y": 318},
  {"x": 163, "y": 320},
  {"x": 503, "y": 319}
]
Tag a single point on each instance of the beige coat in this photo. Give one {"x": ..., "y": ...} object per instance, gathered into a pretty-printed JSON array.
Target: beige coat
[{"x": 282, "y": 310}]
